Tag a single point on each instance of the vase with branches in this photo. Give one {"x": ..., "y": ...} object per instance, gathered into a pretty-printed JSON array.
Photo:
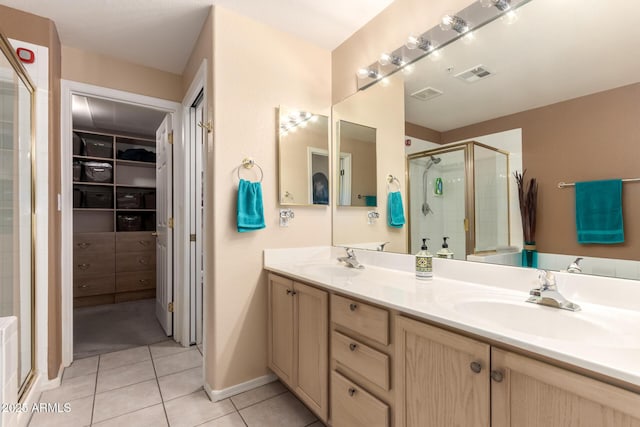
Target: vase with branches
[{"x": 528, "y": 197}]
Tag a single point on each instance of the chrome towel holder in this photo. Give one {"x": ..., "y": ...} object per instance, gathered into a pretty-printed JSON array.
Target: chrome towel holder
[
  {"x": 390, "y": 180},
  {"x": 249, "y": 163}
]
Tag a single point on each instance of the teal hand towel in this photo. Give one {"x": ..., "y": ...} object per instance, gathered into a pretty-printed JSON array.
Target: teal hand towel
[
  {"x": 250, "y": 209},
  {"x": 599, "y": 211},
  {"x": 395, "y": 211}
]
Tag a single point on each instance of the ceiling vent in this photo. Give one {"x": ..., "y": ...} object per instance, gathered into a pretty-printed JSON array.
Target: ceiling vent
[
  {"x": 474, "y": 74},
  {"x": 426, "y": 94}
]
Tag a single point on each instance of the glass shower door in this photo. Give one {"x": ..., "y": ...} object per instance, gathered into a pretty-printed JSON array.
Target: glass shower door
[
  {"x": 16, "y": 207},
  {"x": 437, "y": 191}
]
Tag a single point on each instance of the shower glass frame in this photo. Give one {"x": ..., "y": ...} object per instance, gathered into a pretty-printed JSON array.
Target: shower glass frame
[
  {"x": 23, "y": 78},
  {"x": 470, "y": 196}
]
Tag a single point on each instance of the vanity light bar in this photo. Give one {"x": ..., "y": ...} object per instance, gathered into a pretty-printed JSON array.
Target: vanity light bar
[
  {"x": 417, "y": 47},
  {"x": 296, "y": 119}
]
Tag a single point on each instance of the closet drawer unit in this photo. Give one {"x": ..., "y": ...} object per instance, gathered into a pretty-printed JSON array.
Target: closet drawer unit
[
  {"x": 135, "y": 242},
  {"x": 136, "y": 281},
  {"x": 369, "y": 321},
  {"x": 91, "y": 243},
  {"x": 352, "y": 406},
  {"x": 361, "y": 358},
  {"x": 94, "y": 264},
  {"x": 135, "y": 261},
  {"x": 88, "y": 286}
]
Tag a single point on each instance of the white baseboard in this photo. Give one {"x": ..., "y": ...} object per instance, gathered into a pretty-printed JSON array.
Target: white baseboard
[
  {"x": 217, "y": 395},
  {"x": 47, "y": 384}
]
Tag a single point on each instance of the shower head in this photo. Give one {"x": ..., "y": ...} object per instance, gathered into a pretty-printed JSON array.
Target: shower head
[{"x": 432, "y": 161}]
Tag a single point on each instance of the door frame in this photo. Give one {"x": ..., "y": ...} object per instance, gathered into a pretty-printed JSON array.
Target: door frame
[
  {"x": 69, "y": 88},
  {"x": 198, "y": 85}
]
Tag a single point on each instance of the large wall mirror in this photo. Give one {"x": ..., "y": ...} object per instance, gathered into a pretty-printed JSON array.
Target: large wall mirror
[
  {"x": 304, "y": 157},
  {"x": 17, "y": 277},
  {"x": 552, "y": 90}
]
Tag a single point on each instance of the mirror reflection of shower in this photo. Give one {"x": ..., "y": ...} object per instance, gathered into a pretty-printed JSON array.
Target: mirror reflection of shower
[{"x": 426, "y": 209}]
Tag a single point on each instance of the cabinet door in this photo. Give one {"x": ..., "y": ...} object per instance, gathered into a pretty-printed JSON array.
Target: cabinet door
[
  {"x": 280, "y": 328},
  {"x": 311, "y": 344},
  {"x": 528, "y": 393},
  {"x": 442, "y": 378}
]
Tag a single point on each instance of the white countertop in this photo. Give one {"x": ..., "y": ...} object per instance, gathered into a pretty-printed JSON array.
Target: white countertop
[{"x": 601, "y": 338}]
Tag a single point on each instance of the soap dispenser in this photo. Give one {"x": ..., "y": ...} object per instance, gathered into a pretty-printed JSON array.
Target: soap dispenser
[
  {"x": 445, "y": 252},
  {"x": 424, "y": 262}
]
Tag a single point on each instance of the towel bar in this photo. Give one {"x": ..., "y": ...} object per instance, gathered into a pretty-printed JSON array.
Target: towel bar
[{"x": 562, "y": 184}]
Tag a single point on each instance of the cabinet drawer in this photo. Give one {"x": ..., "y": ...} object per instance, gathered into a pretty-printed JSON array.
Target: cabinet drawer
[
  {"x": 136, "y": 281},
  {"x": 88, "y": 286},
  {"x": 92, "y": 243},
  {"x": 135, "y": 261},
  {"x": 93, "y": 265},
  {"x": 352, "y": 406},
  {"x": 135, "y": 242},
  {"x": 371, "y": 322},
  {"x": 361, "y": 358}
]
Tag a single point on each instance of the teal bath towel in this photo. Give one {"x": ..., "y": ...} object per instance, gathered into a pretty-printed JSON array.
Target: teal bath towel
[
  {"x": 599, "y": 211},
  {"x": 250, "y": 209},
  {"x": 395, "y": 211}
]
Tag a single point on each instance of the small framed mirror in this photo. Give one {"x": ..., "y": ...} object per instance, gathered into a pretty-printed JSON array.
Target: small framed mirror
[
  {"x": 356, "y": 161},
  {"x": 304, "y": 158}
]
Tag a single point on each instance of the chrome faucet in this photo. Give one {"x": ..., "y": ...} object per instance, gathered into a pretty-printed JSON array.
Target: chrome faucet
[
  {"x": 350, "y": 260},
  {"x": 574, "y": 267},
  {"x": 547, "y": 294},
  {"x": 381, "y": 246}
]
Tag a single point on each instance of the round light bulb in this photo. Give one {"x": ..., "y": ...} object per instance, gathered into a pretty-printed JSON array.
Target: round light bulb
[
  {"x": 486, "y": 3},
  {"x": 445, "y": 22},
  {"x": 307, "y": 115},
  {"x": 363, "y": 73},
  {"x": 385, "y": 59},
  {"x": 510, "y": 17},
  {"x": 314, "y": 119},
  {"x": 412, "y": 42}
]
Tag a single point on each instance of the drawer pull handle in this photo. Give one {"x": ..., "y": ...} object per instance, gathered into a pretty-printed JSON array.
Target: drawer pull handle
[
  {"x": 497, "y": 376},
  {"x": 142, "y": 261},
  {"x": 84, "y": 266},
  {"x": 476, "y": 367},
  {"x": 289, "y": 291},
  {"x": 352, "y": 391},
  {"x": 84, "y": 245},
  {"x": 353, "y": 306},
  {"x": 144, "y": 242},
  {"x": 353, "y": 346},
  {"x": 84, "y": 286},
  {"x": 143, "y": 281}
]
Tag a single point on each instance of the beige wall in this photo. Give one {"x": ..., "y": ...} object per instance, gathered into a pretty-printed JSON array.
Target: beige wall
[
  {"x": 384, "y": 33},
  {"x": 30, "y": 28},
  {"x": 421, "y": 132},
  {"x": 256, "y": 68},
  {"x": 380, "y": 107},
  {"x": 583, "y": 139},
  {"x": 87, "y": 67}
]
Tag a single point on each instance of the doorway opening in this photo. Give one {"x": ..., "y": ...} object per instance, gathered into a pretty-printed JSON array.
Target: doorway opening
[{"x": 122, "y": 237}]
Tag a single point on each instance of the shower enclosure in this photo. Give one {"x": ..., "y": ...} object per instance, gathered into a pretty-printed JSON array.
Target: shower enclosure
[{"x": 460, "y": 191}]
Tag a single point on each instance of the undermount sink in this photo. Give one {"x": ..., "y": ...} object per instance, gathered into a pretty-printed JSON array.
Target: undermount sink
[{"x": 597, "y": 327}]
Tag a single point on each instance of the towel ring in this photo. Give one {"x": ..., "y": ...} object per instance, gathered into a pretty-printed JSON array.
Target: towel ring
[
  {"x": 391, "y": 179},
  {"x": 248, "y": 163}
]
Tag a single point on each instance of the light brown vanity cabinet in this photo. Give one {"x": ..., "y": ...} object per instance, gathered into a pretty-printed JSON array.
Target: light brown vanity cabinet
[
  {"x": 298, "y": 335},
  {"x": 526, "y": 392},
  {"x": 442, "y": 377},
  {"x": 447, "y": 379}
]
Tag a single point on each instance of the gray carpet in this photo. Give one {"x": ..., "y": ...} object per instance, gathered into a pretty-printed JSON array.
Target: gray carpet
[{"x": 112, "y": 327}]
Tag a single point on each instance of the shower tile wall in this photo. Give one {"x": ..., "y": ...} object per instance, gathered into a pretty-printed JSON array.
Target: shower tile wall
[{"x": 492, "y": 214}]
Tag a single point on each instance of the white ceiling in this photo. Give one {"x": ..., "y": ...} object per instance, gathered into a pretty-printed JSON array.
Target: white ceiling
[
  {"x": 161, "y": 33},
  {"x": 557, "y": 50}
]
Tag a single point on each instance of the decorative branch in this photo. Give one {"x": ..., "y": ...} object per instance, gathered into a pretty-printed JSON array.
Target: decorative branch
[{"x": 528, "y": 197}]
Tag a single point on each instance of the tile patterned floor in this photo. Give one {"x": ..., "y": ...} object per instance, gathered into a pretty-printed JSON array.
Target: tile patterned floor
[{"x": 161, "y": 385}]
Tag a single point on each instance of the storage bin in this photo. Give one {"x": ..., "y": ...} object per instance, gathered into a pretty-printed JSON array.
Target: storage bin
[
  {"x": 150, "y": 200},
  {"x": 94, "y": 147},
  {"x": 77, "y": 171},
  {"x": 97, "y": 172},
  {"x": 98, "y": 198},
  {"x": 128, "y": 200},
  {"x": 77, "y": 198},
  {"x": 137, "y": 154},
  {"x": 77, "y": 144},
  {"x": 129, "y": 222}
]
